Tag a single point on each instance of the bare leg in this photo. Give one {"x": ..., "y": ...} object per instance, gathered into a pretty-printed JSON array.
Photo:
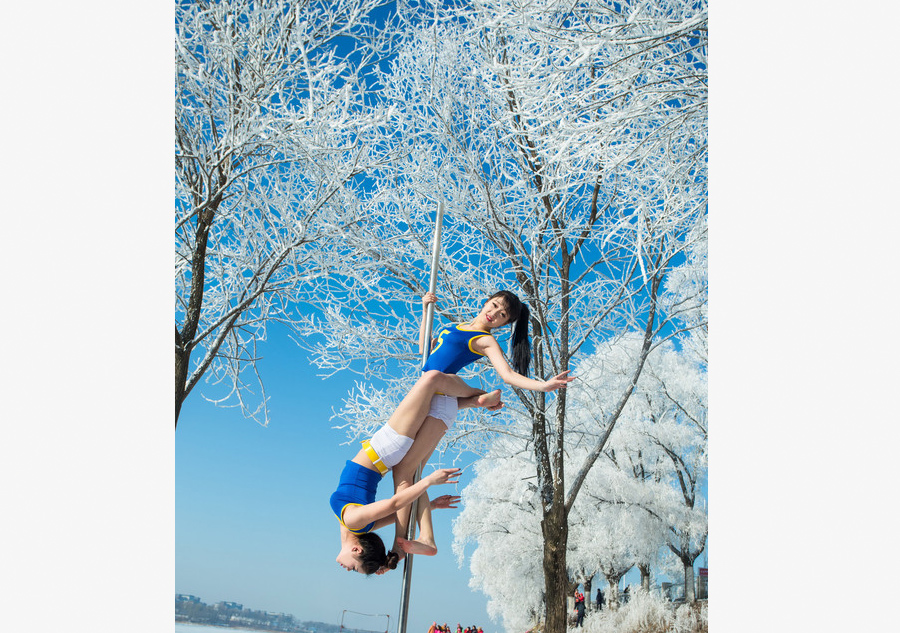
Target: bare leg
[
  {"x": 458, "y": 384},
  {"x": 452, "y": 385},
  {"x": 404, "y": 473},
  {"x": 426, "y": 440},
  {"x": 424, "y": 545},
  {"x": 408, "y": 417},
  {"x": 427, "y": 434}
]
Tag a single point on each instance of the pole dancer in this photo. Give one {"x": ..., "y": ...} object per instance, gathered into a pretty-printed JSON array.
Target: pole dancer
[{"x": 400, "y": 445}]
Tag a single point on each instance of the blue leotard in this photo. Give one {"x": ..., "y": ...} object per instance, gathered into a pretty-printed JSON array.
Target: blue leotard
[
  {"x": 356, "y": 487},
  {"x": 454, "y": 349}
]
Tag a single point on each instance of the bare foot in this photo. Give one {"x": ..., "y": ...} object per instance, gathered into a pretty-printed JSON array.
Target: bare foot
[
  {"x": 416, "y": 547},
  {"x": 490, "y": 400},
  {"x": 398, "y": 550}
]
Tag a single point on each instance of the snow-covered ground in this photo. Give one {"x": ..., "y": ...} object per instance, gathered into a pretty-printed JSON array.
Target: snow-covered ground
[{"x": 648, "y": 613}]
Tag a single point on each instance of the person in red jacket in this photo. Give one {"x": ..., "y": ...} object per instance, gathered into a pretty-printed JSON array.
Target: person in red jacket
[{"x": 579, "y": 608}]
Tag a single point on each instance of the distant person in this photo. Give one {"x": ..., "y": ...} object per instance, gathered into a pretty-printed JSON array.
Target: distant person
[
  {"x": 401, "y": 445},
  {"x": 579, "y": 608},
  {"x": 600, "y": 599}
]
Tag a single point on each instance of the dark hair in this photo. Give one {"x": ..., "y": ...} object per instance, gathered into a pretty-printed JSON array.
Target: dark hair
[
  {"x": 519, "y": 343},
  {"x": 373, "y": 556}
]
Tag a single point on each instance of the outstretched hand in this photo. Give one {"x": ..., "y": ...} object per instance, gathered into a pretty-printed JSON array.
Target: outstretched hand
[
  {"x": 444, "y": 476},
  {"x": 558, "y": 382},
  {"x": 445, "y": 501}
]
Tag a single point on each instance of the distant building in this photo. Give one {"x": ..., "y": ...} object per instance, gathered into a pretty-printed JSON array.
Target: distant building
[
  {"x": 229, "y": 605},
  {"x": 185, "y": 597}
]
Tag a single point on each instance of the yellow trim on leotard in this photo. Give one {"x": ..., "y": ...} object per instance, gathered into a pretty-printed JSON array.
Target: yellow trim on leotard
[
  {"x": 341, "y": 518},
  {"x": 459, "y": 326},
  {"x": 472, "y": 340}
]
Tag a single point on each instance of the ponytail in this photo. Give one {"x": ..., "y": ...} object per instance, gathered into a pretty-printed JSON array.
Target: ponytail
[
  {"x": 392, "y": 559},
  {"x": 519, "y": 344}
]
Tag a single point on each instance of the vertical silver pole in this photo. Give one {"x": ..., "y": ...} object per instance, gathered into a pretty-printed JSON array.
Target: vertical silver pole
[
  {"x": 432, "y": 284},
  {"x": 429, "y": 318}
]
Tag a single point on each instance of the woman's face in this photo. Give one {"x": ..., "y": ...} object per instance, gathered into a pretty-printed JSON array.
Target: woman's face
[
  {"x": 348, "y": 558},
  {"x": 494, "y": 313}
]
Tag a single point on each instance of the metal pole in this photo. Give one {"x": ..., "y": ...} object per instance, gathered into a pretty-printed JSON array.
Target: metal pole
[
  {"x": 432, "y": 284},
  {"x": 429, "y": 318}
]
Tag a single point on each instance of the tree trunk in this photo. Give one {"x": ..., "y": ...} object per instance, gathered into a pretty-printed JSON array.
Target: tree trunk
[
  {"x": 182, "y": 362},
  {"x": 612, "y": 579},
  {"x": 645, "y": 576},
  {"x": 587, "y": 595},
  {"x": 184, "y": 340},
  {"x": 689, "y": 594},
  {"x": 556, "y": 536},
  {"x": 612, "y": 596}
]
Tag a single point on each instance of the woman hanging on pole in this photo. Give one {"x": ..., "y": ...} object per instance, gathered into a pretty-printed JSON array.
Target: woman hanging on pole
[
  {"x": 455, "y": 347},
  {"x": 406, "y": 441},
  {"x": 461, "y": 344}
]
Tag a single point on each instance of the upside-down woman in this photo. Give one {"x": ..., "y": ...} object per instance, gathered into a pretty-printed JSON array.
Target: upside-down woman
[{"x": 401, "y": 445}]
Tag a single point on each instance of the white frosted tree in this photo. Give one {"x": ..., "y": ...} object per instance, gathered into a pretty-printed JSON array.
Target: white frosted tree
[
  {"x": 675, "y": 421},
  {"x": 500, "y": 516},
  {"x": 568, "y": 142},
  {"x": 272, "y": 129},
  {"x": 657, "y": 461},
  {"x": 614, "y": 537},
  {"x": 602, "y": 538},
  {"x": 631, "y": 502}
]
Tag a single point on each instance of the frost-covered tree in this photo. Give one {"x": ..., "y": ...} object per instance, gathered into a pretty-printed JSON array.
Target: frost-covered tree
[
  {"x": 271, "y": 126},
  {"x": 613, "y": 571},
  {"x": 657, "y": 461},
  {"x": 600, "y": 540},
  {"x": 679, "y": 430},
  {"x": 568, "y": 141},
  {"x": 630, "y": 500},
  {"x": 501, "y": 515}
]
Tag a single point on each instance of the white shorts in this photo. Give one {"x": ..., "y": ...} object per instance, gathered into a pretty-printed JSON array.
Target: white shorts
[
  {"x": 390, "y": 446},
  {"x": 444, "y": 408}
]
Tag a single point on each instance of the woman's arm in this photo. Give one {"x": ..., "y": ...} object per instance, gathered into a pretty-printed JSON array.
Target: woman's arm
[
  {"x": 384, "y": 521},
  {"x": 357, "y": 517},
  {"x": 488, "y": 346},
  {"x": 444, "y": 501}
]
